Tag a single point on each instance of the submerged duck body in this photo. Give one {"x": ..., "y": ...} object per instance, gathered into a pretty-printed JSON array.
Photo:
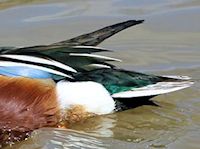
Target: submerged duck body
[{"x": 74, "y": 82}]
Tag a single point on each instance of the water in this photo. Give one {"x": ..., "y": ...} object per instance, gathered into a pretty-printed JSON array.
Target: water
[{"x": 167, "y": 43}]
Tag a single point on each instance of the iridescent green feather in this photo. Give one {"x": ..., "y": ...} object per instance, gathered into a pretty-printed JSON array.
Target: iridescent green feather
[{"x": 117, "y": 80}]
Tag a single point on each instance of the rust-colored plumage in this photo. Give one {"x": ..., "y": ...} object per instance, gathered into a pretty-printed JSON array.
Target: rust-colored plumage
[
  {"x": 26, "y": 104},
  {"x": 74, "y": 114}
]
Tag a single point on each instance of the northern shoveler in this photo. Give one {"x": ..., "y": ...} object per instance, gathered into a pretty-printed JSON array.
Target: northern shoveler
[{"x": 46, "y": 84}]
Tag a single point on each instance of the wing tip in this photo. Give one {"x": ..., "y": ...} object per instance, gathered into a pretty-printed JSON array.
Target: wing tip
[
  {"x": 177, "y": 77},
  {"x": 136, "y": 21},
  {"x": 155, "y": 89}
]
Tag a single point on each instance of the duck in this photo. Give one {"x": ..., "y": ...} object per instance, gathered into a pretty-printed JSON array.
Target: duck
[{"x": 66, "y": 82}]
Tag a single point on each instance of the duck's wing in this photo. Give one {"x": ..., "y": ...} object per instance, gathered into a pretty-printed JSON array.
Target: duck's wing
[
  {"x": 84, "y": 43},
  {"x": 127, "y": 84},
  {"x": 96, "y": 37},
  {"x": 75, "y": 53},
  {"x": 36, "y": 63},
  {"x": 52, "y": 49},
  {"x": 80, "y": 58}
]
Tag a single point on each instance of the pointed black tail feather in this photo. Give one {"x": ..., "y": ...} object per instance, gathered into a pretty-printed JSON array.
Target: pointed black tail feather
[{"x": 96, "y": 37}]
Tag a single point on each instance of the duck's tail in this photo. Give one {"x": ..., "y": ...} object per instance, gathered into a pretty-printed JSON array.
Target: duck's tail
[{"x": 96, "y": 37}]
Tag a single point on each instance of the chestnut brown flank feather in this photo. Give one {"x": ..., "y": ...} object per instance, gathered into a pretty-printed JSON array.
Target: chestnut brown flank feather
[{"x": 26, "y": 104}]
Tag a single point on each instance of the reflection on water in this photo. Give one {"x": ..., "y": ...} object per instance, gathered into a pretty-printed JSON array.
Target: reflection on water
[
  {"x": 167, "y": 43},
  {"x": 58, "y": 138},
  {"x": 100, "y": 126}
]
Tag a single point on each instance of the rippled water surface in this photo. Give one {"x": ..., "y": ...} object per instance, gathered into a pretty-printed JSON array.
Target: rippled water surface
[{"x": 167, "y": 43}]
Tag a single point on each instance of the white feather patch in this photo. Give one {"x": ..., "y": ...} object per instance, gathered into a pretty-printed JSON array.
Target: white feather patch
[
  {"x": 95, "y": 56},
  {"x": 178, "y": 77},
  {"x": 89, "y": 47},
  {"x": 91, "y": 95},
  {"x": 39, "y": 60},
  {"x": 98, "y": 66},
  {"x": 155, "y": 89},
  {"x": 5, "y": 63}
]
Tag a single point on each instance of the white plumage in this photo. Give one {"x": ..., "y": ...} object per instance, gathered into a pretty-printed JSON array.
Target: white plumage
[
  {"x": 154, "y": 89},
  {"x": 91, "y": 95}
]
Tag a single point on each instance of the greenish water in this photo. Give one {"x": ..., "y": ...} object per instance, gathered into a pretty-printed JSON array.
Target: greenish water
[{"x": 167, "y": 43}]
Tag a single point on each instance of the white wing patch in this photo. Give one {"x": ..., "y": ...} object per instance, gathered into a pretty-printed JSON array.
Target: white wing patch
[
  {"x": 95, "y": 56},
  {"x": 155, "y": 89},
  {"x": 39, "y": 60},
  {"x": 178, "y": 77},
  {"x": 98, "y": 66},
  {"x": 90, "y": 47}
]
